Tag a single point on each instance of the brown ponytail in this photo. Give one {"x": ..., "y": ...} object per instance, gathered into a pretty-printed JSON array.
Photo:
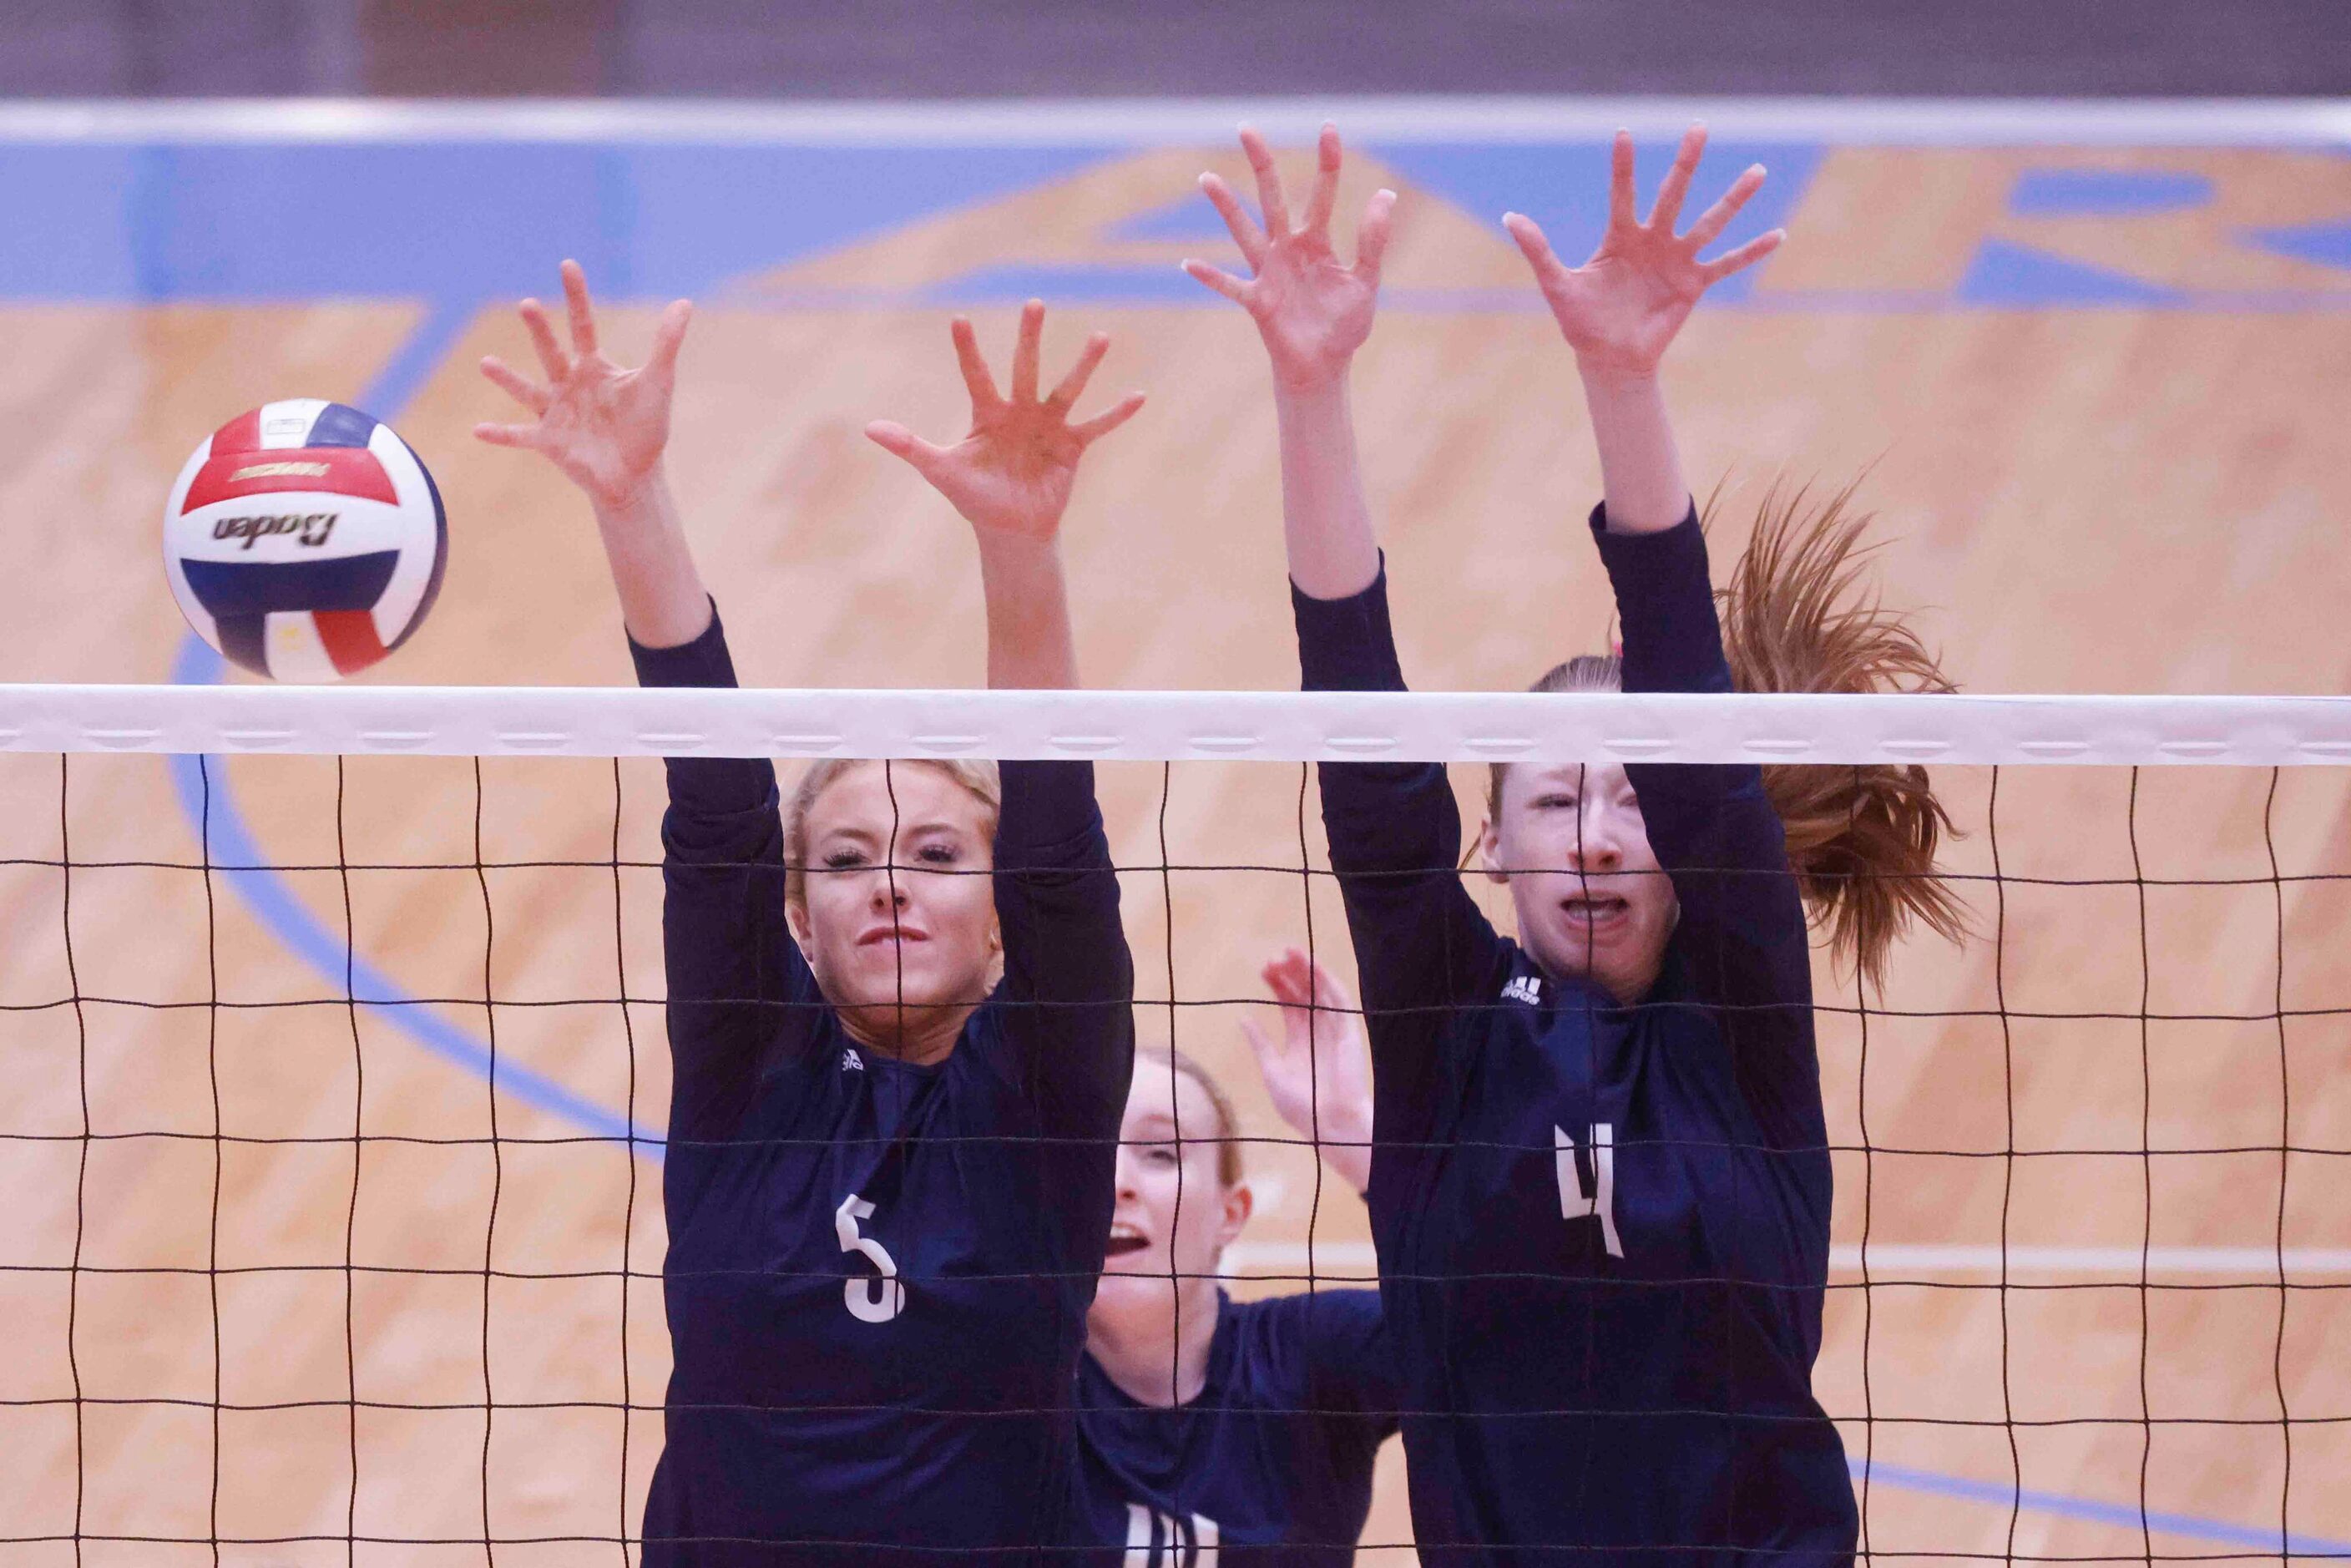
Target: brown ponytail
[{"x": 1797, "y": 618}]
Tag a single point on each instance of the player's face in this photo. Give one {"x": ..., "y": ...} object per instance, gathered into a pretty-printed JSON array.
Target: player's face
[
  {"x": 1171, "y": 1211},
  {"x": 899, "y": 906},
  {"x": 1590, "y": 899}
]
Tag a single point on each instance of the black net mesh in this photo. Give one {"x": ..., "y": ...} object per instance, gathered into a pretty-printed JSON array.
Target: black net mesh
[{"x": 332, "y": 1111}]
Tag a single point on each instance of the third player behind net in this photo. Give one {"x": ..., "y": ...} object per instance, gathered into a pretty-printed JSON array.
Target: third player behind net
[{"x": 1249, "y": 1429}]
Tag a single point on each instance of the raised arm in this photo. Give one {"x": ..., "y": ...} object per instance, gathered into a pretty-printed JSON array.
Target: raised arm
[
  {"x": 1742, "y": 924},
  {"x": 1066, "y": 964},
  {"x": 738, "y": 986},
  {"x": 1621, "y": 309},
  {"x": 1318, "y": 1068},
  {"x": 605, "y": 428},
  {"x": 1011, "y": 478},
  {"x": 1421, "y": 943},
  {"x": 1312, "y": 313}
]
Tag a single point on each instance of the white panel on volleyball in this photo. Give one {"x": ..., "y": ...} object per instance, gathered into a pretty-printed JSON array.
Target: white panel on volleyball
[
  {"x": 286, "y": 423},
  {"x": 296, "y": 652},
  {"x": 403, "y": 596}
]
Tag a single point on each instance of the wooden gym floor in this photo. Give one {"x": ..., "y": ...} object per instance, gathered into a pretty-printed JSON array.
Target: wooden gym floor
[{"x": 2093, "y": 389}]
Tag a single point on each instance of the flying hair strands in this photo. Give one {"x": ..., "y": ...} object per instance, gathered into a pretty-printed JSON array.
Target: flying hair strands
[{"x": 1798, "y": 616}]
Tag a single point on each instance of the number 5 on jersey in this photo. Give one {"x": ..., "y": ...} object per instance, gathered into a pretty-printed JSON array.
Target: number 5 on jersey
[
  {"x": 870, "y": 1301},
  {"x": 1578, "y": 1201}
]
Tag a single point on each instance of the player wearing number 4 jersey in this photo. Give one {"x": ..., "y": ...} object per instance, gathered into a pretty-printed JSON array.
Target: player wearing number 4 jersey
[
  {"x": 888, "y": 1178},
  {"x": 1600, "y": 1188}
]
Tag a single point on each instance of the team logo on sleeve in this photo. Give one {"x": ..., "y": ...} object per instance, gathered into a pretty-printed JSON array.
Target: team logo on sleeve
[{"x": 1155, "y": 1540}]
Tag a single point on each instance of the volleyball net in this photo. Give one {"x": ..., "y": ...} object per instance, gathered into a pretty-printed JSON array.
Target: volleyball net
[{"x": 334, "y": 1079}]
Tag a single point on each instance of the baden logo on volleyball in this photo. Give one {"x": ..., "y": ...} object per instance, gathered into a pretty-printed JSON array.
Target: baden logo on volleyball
[{"x": 305, "y": 540}]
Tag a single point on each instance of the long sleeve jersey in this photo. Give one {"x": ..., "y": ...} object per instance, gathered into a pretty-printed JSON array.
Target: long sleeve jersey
[
  {"x": 1603, "y": 1230},
  {"x": 1270, "y": 1467},
  {"x": 878, "y": 1272}
]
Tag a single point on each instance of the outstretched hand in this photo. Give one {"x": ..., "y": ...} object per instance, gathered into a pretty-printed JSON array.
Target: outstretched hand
[
  {"x": 1313, "y": 312},
  {"x": 1620, "y": 310},
  {"x": 604, "y": 426},
  {"x": 1011, "y": 476},
  {"x": 1318, "y": 1070}
]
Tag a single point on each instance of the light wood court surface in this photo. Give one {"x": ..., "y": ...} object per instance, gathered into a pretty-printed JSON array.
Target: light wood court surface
[{"x": 2080, "y": 492}]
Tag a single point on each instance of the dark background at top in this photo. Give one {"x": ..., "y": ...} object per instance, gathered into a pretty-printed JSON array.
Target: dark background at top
[{"x": 984, "y": 48}]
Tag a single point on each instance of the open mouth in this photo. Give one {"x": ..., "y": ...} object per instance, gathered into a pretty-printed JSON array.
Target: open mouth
[
  {"x": 882, "y": 933},
  {"x": 1595, "y": 908},
  {"x": 1124, "y": 1240}
]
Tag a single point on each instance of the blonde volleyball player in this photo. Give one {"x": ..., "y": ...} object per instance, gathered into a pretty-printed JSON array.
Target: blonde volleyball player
[
  {"x": 899, "y": 1013},
  {"x": 1208, "y": 1425},
  {"x": 1600, "y": 1182}
]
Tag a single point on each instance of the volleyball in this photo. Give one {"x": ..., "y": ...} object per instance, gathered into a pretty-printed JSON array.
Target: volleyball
[{"x": 305, "y": 540}]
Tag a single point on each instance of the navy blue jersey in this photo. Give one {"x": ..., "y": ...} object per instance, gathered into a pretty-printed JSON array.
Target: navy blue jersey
[
  {"x": 1603, "y": 1231},
  {"x": 1276, "y": 1453},
  {"x": 878, "y": 1273}
]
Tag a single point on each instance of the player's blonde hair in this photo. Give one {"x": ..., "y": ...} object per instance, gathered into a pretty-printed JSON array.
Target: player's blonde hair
[
  {"x": 980, "y": 776},
  {"x": 1226, "y": 1136},
  {"x": 1797, "y": 618}
]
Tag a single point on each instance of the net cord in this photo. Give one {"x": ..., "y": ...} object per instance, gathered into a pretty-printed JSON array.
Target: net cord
[{"x": 1292, "y": 726}]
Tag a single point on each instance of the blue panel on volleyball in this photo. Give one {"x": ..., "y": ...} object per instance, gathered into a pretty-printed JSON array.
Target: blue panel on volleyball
[
  {"x": 244, "y": 641},
  {"x": 440, "y": 562},
  {"x": 338, "y": 425},
  {"x": 228, "y": 589}
]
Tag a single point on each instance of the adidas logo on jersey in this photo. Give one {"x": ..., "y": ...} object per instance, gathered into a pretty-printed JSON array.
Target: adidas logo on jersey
[
  {"x": 1523, "y": 988},
  {"x": 851, "y": 1063}
]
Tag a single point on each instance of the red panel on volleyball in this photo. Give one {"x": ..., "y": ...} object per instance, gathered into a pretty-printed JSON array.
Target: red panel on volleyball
[
  {"x": 242, "y": 434},
  {"x": 327, "y": 470},
  {"x": 350, "y": 638}
]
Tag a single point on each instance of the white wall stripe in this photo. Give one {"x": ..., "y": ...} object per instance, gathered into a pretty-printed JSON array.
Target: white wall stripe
[
  {"x": 1893, "y": 1261},
  {"x": 1142, "y": 120},
  {"x": 1476, "y": 727},
  {"x": 2119, "y": 1264}
]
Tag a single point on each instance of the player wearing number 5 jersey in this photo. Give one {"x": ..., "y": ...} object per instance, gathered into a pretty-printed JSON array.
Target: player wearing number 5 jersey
[
  {"x": 889, "y": 1170},
  {"x": 1600, "y": 1187}
]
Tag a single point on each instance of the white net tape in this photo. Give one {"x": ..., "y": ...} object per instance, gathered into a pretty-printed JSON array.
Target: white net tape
[{"x": 1292, "y": 726}]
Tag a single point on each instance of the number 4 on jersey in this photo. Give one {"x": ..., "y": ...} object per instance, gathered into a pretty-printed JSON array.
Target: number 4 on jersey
[
  {"x": 870, "y": 1301},
  {"x": 1578, "y": 1201}
]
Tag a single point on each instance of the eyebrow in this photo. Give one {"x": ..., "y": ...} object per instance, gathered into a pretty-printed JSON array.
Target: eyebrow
[{"x": 906, "y": 831}]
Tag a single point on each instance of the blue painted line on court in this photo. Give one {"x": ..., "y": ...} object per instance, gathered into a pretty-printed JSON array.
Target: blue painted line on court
[
  {"x": 429, "y": 342},
  {"x": 2191, "y": 1526},
  {"x": 271, "y": 902},
  {"x": 228, "y": 841},
  {"x": 2068, "y": 193},
  {"x": 2324, "y": 242},
  {"x": 261, "y": 221}
]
